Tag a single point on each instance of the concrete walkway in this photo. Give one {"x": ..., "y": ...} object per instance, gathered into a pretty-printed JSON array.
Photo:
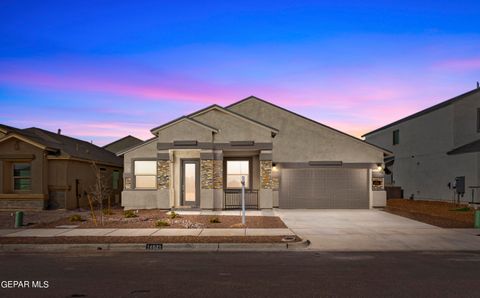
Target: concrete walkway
[
  {"x": 142, "y": 232},
  {"x": 373, "y": 230}
]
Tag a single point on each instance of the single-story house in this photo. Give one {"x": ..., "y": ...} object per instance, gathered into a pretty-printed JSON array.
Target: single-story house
[
  {"x": 436, "y": 150},
  {"x": 288, "y": 161},
  {"x": 41, "y": 169}
]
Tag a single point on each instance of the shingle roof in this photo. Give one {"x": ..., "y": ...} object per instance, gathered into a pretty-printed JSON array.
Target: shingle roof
[
  {"x": 66, "y": 145},
  {"x": 467, "y": 148},
  {"x": 122, "y": 144},
  {"x": 426, "y": 111}
]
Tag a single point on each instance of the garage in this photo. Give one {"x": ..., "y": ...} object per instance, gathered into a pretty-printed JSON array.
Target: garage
[{"x": 324, "y": 188}]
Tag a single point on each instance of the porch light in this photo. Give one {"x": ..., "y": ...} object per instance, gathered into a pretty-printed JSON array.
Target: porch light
[
  {"x": 379, "y": 167},
  {"x": 274, "y": 167}
]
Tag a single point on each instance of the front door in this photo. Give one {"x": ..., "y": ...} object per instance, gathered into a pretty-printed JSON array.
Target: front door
[{"x": 190, "y": 183}]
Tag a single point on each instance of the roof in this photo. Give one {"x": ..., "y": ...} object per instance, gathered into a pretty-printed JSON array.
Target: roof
[
  {"x": 180, "y": 119},
  {"x": 122, "y": 144},
  {"x": 308, "y": 119},
  {"x": 426, "y": 111},
  {"x": 467, "y": 148},
  {"x": 65, "y": 145},
  {"x": 122, "y": 152}
]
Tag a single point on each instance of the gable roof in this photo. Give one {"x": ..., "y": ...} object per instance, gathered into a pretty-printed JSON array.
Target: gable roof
[
  {"x": 122, "y": 144},
  {"x": 122, "y": 152},
  {"x": 385, "y": 151},
  {"x": 180, "y": 119},
  {"x": 427, "y": 110},
  {"x": 234, "y": 114},
  {"x": 63, "y": 145},
  {"x": 467, "y": 148}
]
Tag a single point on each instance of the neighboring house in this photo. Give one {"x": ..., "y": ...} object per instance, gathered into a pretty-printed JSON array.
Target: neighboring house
[
  {"x": 122, "y": 144},
  {"x": 433, "y": 147},
  {"x": 288, "y": 161},
  {"x": 41, "y": 169}
]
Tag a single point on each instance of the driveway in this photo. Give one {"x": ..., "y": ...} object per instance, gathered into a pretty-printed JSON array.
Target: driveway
[{"x": 373, "y": 230}]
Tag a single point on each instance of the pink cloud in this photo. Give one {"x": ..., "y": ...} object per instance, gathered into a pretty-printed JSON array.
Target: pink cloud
[{"x": 459, "y": 64}]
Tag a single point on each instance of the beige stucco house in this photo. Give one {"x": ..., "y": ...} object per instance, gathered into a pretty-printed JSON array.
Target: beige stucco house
[
  {"x": 288, "y": 161},
  {"x": 433, "y": 148},
  {"x": 40, "y": 169}
]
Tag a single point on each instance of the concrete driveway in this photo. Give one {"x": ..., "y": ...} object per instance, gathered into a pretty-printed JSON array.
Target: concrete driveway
[{"x": 373, "y": 230}]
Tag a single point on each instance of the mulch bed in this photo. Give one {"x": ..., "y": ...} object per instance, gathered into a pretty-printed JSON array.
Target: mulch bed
[
  {"x": 440, "y": 214},
  {"x": 143, "y": 239},
  {"x": 148, "y": 219}
]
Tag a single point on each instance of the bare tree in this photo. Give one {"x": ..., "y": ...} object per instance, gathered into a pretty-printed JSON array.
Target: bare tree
[{"x": 100, "y": 191}]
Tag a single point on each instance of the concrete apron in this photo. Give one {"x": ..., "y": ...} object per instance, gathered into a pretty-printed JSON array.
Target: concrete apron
[{"x": 374, "y": 230}]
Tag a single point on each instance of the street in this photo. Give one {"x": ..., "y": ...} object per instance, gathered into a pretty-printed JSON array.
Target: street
[{"x": 238, "y": 274}]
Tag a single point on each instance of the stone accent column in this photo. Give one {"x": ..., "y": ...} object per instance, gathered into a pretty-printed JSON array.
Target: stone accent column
[
  {"x": 163, "y": 174},
  {"x": 206, "y": 173},
  {"x": 266, "y": 181}
]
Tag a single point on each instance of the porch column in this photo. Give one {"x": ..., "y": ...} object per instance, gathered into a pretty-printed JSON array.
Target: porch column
[
  {"x": 265, "y": 192},
  {"x": 163, "y": 180},
  {"x": 211, "y": 179}
]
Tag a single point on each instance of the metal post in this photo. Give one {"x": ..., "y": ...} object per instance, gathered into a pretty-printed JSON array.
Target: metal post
[{"x": 243, "y": 200}]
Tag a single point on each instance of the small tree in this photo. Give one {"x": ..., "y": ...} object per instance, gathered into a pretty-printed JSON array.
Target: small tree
[{"x": 100, "y": 191}]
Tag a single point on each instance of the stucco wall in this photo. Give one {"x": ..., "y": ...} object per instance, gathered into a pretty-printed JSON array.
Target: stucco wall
[
  {"x": 465, "y": 120},
  {"x": 234, "y": 129},
  {"x": 422, "y": 167},
  {"x": 146, "y": 151},
  {"x": 184, "y": 130},
  {"x": 17, "y": 147},
  {"x": 301, "y": 140}
]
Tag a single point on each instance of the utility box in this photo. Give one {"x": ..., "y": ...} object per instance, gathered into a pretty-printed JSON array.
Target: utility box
[{"x": 460, "y": 185}]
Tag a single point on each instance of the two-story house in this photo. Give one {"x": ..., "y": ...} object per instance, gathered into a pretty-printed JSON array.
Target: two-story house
[{"x": 434, "y": 147}]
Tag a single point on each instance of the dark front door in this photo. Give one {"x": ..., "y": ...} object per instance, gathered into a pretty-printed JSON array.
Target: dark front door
[{"x": 190, "y": 183}]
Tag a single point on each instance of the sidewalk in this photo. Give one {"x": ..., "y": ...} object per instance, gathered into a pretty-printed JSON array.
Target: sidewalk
[{"x": 142, "y": 232}]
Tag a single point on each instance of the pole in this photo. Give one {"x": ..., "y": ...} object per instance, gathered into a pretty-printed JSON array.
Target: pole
[{"x": 243, "y": 200}]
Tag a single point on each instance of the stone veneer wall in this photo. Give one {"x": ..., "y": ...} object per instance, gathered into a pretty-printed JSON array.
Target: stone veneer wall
[
  {"x": 211, "y": 174},
  {"x": 266, "y": 174},
  {"x": 163, "y": 174}
]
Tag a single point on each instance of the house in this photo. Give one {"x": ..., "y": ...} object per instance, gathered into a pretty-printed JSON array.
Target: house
[
  {"x": 434, "y": 148},
  {"x": 287, "y": 160},
  {"x": 122, "y": 144},
  {"x": 41, "y": 169}
]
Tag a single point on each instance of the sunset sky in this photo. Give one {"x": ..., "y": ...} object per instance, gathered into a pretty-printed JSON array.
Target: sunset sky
[{"x": 103, "y": 70}]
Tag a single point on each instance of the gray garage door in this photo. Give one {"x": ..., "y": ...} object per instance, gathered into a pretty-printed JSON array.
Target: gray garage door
[{"x": 334, "y": 188}]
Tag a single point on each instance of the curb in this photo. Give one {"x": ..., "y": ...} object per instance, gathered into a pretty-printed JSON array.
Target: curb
[{"x": 155, "y": 247}]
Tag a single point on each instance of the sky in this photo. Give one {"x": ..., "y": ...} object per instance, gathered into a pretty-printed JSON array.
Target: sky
[{"x": 101, "y": 70}]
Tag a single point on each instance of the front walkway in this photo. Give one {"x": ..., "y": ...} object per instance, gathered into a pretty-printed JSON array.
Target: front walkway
[
  {"x": 142, "y": 232},
  {"x": 373, "y": 230}
]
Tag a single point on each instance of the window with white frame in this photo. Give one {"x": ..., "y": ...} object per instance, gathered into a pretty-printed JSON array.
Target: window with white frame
[
  {"x": 22, "y": 180},
  {"x": 145, "y": 174},
  {"x": 235, "y": 170}
]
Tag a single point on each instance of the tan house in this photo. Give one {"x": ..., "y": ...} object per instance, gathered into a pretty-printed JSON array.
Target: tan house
[
  {"x": 288, "y": 161},
  {"x": 40, "y": 169}
]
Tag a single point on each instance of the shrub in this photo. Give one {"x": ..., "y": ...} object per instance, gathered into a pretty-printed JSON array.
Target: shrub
[
  {"x": 129, "y": 214},
  {"x": 75, "y": 217},
  {"x": 107, "y": 212},
  {"x": 161, "y": 223},
  {"x": 173, "y": 215},
  {"x": 215, "y": 220}
]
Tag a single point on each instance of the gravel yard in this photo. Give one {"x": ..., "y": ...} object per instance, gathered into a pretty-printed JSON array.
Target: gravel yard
[
  {"x": 140, "y": 219},
  {"x": 437, "y": 213}
]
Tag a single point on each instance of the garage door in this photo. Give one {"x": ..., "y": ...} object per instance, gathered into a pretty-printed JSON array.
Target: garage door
[{"x": 328, "y": 188}]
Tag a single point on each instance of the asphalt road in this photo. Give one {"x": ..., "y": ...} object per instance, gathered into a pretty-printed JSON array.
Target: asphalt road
[{"x": 231, "y": 274}]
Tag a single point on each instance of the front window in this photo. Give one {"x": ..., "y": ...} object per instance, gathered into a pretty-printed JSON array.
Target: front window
[
  {"x": 22, "y": 177},
  {"x": 235, "y": 170},
  {"x": 145, "y": 174}
]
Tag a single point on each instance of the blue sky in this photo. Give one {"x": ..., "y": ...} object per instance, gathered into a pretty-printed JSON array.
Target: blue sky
[{"x": 101, "y": 70}]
